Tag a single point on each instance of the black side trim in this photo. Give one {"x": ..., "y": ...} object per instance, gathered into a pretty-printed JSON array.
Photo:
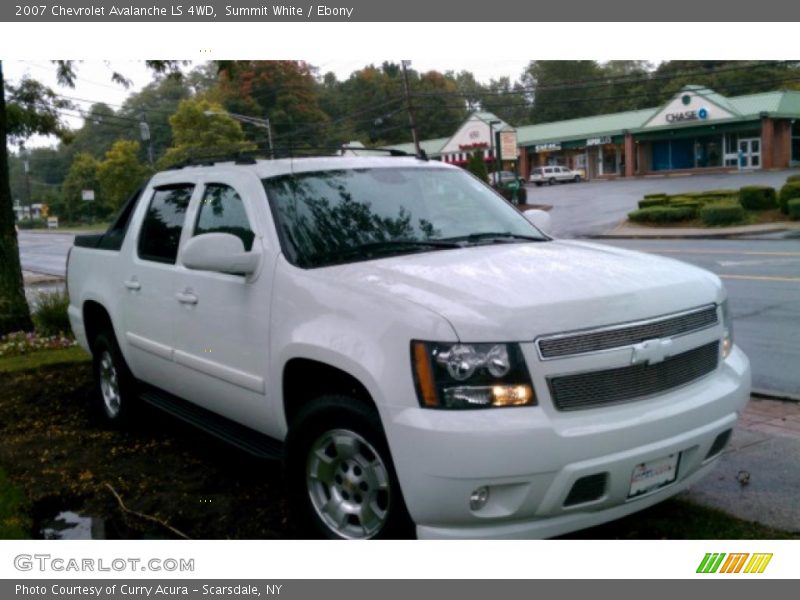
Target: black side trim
[
  {"x": 89, "y": 240},
  {"x": 242, "y": 437}
]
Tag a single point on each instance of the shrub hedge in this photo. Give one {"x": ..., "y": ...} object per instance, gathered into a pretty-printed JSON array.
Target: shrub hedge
[
  {"x": 788, "y": 192},
  {"x": 795, "y": 177},
  {"x": 662, "y": 214},
  {"x": 32, "y": 223},
  {"x": 793, "y": 206},
  {"x": 50, "y": 316},
  {"x": 689, "y": 203},
  {"x": 653, "y": 201},
  {"x": 757, "y": 197},
  {"x": 721, "y": 214}
]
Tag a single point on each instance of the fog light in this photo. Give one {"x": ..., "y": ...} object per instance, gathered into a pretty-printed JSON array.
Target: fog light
[
  {"x": 479, "y": 498},
  {"x": 727, "y": 345}
]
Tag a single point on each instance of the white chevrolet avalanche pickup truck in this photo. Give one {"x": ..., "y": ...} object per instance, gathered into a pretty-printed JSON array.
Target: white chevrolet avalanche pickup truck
[{"x": 424, "y": 359}]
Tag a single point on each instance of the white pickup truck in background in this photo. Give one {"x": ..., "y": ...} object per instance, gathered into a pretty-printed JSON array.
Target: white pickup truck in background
[{"x": 422, "y": 357}]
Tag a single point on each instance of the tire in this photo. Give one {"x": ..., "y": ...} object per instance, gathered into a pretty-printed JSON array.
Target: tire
[
  {"x": 538, "y": 184},
  {"x": 340, "y": 475},
  {"x": 551, "y": 181},
  {"x": 115, "y": 387},
  {"x": 577, "y": 179}
]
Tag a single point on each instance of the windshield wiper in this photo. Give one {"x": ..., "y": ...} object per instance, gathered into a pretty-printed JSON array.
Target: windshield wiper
[
  {"x": 385, "y": 247},
  {"x": 495, "y": 237}
]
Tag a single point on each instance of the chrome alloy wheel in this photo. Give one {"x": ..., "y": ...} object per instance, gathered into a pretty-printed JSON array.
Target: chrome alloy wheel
[
  {"x": 109, "y": 385},
  {"x": 348, "y": 484}
]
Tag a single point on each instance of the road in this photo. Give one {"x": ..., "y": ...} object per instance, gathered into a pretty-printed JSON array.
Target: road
[
  {"x": 763, "y": 282},
  {"x": 44, "y": 252},
  {"x": 594, "y": 207}
]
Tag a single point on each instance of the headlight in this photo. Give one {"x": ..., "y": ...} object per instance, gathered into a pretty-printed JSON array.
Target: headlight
[
  {"x": 727, "y": 330},
  {"x": 471, "y": 375}
]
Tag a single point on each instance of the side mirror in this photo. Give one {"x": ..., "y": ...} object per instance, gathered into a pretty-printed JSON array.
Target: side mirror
[
  {"x": 220, "y": 252},
  {"x": 539, "y": 218}
]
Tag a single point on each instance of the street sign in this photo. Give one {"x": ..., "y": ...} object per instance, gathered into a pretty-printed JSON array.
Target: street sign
[
  {"x": 508, "y": 144},
  {"x": 87, "y": 195},
  {"x": 52, "y": 222}
]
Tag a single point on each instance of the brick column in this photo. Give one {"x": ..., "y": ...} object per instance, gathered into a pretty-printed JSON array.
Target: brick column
[
  {"x": 767, "y": 142},
  {"x": 524, "y": 168},
  {"x": 630, "y": 155},
  {"x": 783, "y": 144}
]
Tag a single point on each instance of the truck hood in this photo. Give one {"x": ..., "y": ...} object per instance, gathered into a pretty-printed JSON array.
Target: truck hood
[{"x": 515, "y": 292}]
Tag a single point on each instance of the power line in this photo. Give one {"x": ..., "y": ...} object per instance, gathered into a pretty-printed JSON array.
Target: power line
[
  {"x": 599, "y": 99},
  {"x": 611, "y": 80}
]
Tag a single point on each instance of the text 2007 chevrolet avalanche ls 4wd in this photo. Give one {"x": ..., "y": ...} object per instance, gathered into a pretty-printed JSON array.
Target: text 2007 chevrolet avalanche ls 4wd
[{"x": 423, "y": 357}]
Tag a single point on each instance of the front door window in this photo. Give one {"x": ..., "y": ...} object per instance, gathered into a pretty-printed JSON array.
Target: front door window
[{"x": 749, "y": 155}]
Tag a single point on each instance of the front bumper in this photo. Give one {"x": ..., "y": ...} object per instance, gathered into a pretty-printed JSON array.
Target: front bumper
[{"x": 531, "y": 457}]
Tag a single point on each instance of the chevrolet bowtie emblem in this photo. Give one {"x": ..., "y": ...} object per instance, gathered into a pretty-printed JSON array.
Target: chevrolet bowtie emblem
[{"x": 651, "y": 351}]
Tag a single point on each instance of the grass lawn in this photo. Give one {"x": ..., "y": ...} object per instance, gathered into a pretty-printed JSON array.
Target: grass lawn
[
  {"x": 34, "y": 360},
  {"x": 98, "y": 227},
  {"x": 14, "y": 522}
]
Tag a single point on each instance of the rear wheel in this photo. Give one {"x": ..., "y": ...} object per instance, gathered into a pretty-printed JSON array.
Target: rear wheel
[
  {"x": 340, "y": 473},
  {"x": 115, "y": 386},
  {"x": 551, "y": 181}
]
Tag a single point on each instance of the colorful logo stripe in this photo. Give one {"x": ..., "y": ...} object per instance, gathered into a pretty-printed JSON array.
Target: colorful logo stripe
[{"x": 713, "y": 562}]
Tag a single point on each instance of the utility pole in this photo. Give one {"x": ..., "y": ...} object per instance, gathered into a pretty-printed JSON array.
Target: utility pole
[
  {"x": 27, "y": 165},
  {"x": 411, "y": 119},
  {"x": 269, "y": 138},
  {"x": 144, "y": 131}
]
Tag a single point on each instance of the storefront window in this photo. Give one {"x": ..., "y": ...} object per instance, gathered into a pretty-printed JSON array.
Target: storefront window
[
  {"x": 610, "y": 159},
  {"x": 708, "y": 151}
]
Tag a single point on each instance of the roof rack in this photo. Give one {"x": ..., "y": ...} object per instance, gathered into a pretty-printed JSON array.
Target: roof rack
[{"x": 249, "y": 157}]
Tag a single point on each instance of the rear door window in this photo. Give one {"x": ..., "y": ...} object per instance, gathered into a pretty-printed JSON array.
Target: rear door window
[{"x": 162, "y": 226}]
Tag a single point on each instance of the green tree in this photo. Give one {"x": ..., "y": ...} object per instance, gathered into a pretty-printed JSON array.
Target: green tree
[
  {"x": 477, "y": 166},
  {"x": 154, "y": 105},
  {"x": 197, "y": 132},
  {"x": 100, "y": 130},
  {"x": 82, "y": 176},
  {"x": 555, "y": 95},
  {"x": 120, "y": 174},
  {"x": 284, "y": 91}
]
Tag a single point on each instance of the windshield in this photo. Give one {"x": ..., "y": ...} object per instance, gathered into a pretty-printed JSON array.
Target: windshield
[{"x": 331, "y": 217}]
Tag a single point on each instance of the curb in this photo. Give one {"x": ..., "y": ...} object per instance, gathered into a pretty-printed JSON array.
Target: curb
[
  {"x": 619, "y": 232},
  {"x": 774, "y": 395}
]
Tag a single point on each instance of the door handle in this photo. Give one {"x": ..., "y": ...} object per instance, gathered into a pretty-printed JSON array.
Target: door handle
[
  {"x": 132, "y": 284},
  {"x": 186, "y": 297}
]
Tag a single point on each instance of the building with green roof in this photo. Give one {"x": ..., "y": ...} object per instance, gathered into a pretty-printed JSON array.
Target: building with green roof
[{"x": 697, "y": 130}]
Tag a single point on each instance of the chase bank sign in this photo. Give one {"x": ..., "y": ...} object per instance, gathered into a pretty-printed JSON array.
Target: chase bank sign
[{"x": 688, "y": 115}]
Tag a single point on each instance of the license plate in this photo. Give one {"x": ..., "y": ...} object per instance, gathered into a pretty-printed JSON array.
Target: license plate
[{"x": 653, "y": 474}]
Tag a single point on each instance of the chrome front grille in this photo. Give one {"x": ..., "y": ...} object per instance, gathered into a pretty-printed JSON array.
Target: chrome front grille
[
  {"x": 584, "y": 342},
  {"x": 624, "y": 384}
]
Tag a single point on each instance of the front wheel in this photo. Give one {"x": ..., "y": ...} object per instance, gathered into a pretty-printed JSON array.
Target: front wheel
[
  {"x": 577, "y": 179},
  {"x": 551, "y": 181},
  {"x": 340, "y": 473}
]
